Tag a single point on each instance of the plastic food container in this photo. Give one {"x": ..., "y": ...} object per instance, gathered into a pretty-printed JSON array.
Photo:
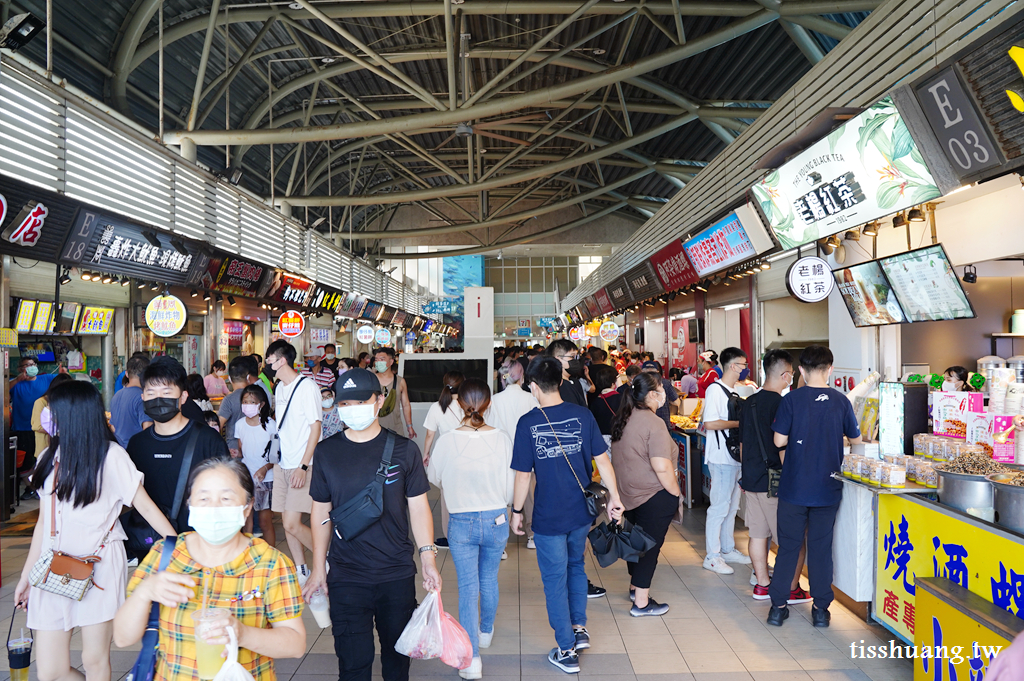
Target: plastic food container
[
  {"x": 897, "y": 477},
  {"x": 911, "y": 467},
  {"x": 926, "y": 474},
  {"x": 875, "y": 473},
  {"x": 921, "y": 444}
]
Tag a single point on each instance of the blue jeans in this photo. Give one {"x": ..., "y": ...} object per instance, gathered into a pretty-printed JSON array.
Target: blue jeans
[
  {"x": 476, "y": 543},
  {"x": 560, "y": 559}
]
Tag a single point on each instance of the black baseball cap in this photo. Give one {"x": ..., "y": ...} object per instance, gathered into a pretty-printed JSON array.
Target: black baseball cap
[
  {"x": 649, "y": 366},
  {"x": 356, "y": 384}
]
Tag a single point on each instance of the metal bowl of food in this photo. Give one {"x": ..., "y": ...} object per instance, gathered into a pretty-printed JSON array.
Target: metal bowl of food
[
  {"x": 964, "y": 491},
  {"x": 1008, "y": 499}
]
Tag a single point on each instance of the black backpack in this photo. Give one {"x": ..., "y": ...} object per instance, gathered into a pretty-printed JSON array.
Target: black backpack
[{"x": 732, "y": 439}]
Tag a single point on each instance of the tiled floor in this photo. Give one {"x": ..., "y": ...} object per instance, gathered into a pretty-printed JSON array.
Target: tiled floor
[{"x": 714, "y": 632}]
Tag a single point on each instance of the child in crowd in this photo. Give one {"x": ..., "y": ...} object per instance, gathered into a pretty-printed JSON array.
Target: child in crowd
[
  {"x": 211, "y": 419},
  {"x": 257, "y": 438},
  {"x": 329, "y": 423}
]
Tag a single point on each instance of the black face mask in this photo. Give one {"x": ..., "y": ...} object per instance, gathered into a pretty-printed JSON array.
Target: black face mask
[
  {"x": 268, "y": 371},
  {"x": 575, "y": 368},
  {"x": 161, "y": 409}
]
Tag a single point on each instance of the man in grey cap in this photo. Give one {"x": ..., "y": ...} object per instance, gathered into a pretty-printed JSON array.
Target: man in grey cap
[
  {"x": 671, "y": 396},
  {"x": 372, "y": 580}
]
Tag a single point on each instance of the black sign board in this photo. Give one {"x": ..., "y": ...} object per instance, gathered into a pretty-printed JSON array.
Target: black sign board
[
  {"x": 619, "y": 293},
  {"x": 229, "y": 274},
  {"x": 371, "y": 311},
  {"x": 642, "y": 281},
  {"x": 326, "y": 299},
  {"x": 954, "y": 118},
  {"x": 41, "y": 236},
  {"x": 103, "y": 242}
]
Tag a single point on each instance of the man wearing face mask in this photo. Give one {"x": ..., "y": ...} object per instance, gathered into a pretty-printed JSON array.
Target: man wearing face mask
[
  {"x": 372, "y": 579},
  {"x": 298, "y": 414},
  {"x": 26, "y": 388},
  {"x": 329, "y": 361},
  {"x": 571, "y": 389},
  {"x": 160, "y": 452}
]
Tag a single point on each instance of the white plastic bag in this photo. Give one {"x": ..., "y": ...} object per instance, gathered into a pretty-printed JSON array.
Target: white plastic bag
[
  {"x": 232, "y": 670},
  {"x": 422, "y": 638}
]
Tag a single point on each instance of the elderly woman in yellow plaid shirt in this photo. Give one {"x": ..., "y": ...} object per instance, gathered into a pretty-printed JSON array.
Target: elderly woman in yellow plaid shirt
[{"x": 255, "y": 582}]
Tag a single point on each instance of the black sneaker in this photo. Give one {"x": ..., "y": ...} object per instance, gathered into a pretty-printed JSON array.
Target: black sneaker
[
  {"x": 582, "y": 638},
  {"x": 594, "y": 591},
  {"x": 441, "y": 543},
  {"x": 820, "y": 617},
  {"x": 29, "y": 495},
  {"x": 632, "y": 595},
  {"x": 653, "y": 609},
  {"x": 566, "y": 660},
  {"x": 776, "y": 616}
]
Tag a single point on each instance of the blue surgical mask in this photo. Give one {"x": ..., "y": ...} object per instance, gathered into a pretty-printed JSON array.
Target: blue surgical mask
[
  {"x": 358, "y": 416},
  {"x": 216, "y": 524},
  {"x": 32, "y": 371}
]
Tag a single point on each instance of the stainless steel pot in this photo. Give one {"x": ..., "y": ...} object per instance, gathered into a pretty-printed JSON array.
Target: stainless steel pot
[
  {"x": 1009, "y": 502},
  {"x": 963, "y": 492}
]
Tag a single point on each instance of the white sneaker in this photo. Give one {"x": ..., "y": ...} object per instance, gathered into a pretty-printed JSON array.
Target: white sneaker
[
  {"x": 133, "y": 563},
  {"x": 303, "y": 574},
  {"x": 474, "y": 670},
  {"x": 753, "y": 576},
  {"x": 504, "y": 555},
  {"x": 735, "y": 556},
  {"x": 715, "y": 563},
  {"x": 485, "y": 639},
  {"x": 530, "y": 543}
]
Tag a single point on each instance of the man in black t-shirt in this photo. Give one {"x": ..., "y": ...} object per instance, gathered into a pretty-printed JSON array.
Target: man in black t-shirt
[
  {"x": 757, "y": 435},
  {"x": 571, "y": 389},
  {"x": 159, "y": 452},
  {"x": 373, "y": 575}
]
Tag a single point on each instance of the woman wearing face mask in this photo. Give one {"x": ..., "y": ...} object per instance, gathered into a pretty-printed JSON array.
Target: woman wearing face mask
[
  {"x": 644, "y": 456},
  {"x": 330, "y": 423},
  {"x": 472, "y": 465},
  {"x": 256, "y": 432},
  {"x": 955, "y": 380},
  {"x": 215, "y": 381},
  {"x": 83, "y": 480},
  {"x": 42, "y": 418},
  {"x": 251, "y": 585}
]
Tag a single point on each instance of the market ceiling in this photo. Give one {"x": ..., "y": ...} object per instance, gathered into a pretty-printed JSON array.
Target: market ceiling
[{"x": 606, "y": 106}]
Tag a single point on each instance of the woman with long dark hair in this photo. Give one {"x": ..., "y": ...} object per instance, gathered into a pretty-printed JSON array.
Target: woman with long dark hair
[
  {"x": 644, "y": 458},
  {"x": 196, "y": 388},
  {"x": 445, "y": 414},
  {"x": 472, "y": 466},
  {"x": 84, "y": 478},
  {"x": 604, "y": 402}
]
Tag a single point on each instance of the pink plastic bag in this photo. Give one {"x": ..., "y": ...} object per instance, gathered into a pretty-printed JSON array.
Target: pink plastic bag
[{"x": 433, "y": 633}]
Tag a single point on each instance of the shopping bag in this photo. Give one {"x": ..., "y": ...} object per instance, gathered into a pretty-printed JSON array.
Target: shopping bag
[
  {"x": 457, "y": 650},
  {"x": 422, "y": 638},
  {"x": 232, "y": 670}
]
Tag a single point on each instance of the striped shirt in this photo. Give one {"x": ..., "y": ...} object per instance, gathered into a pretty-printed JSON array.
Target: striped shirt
[
  {"x": 260, "y": 587},
  {"x": 325, "y": 378}
]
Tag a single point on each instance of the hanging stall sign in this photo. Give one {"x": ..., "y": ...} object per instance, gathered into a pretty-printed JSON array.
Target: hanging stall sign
[
  {"x": 291, "y": 324},
  {"x": 34, "y": 222},
  {"x": 545, "y": 322},
  {"x": 720, "y": 246},
  {"x": 619, "y": 293},
  {"x": 437, "y": 307},
  {"x": 399, "y": 319},
  {"x": 673, "y": 268},
  {"x": 382, "y": 337},
  {"x": 26, "y": 313},
  {"x": 289, "y": 288},
  {"x": 352, "y": 305},
  {"x": 371, "y": 311},
  {"x": 590, "y": 304},
  {"x": 107, "y": 243},
  {"x": 866, "y": 168},
  {"x": 96, "y": 321},
  {"x": 604, "y": 303},
  {"x": 576, "y": 333},
  {"x": 364, "y": 334},
  {"x": 26, "y": 228},
  {"x": 410, "y": 338},
  {"x": 235, "y": 331},
  {"x": 387, "y": 316},
  {"x": 609, "y": 332},
  {"x": 165, "y": 315},
  {"x": 43, "y": 322},
  {"x": 231, "y": 275},
  {"x": 643, "y": 282},
  {"x": 810, "y": 279},
  {"x": 592, "y": 329},
  {"x": 326, "y": 299}
]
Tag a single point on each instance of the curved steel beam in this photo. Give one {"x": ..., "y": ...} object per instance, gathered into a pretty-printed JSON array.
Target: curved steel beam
[{"x": 127, "y": 48}]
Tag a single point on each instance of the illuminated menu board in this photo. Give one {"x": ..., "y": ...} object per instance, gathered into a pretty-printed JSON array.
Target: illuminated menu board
[{"x": 926, "y": 285}]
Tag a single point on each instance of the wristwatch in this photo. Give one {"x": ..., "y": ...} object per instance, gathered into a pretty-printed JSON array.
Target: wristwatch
[
  {"x": 428, "y": 547},
  {"x": 304, "y": 467},
  {"x": 517, "y": 512}
]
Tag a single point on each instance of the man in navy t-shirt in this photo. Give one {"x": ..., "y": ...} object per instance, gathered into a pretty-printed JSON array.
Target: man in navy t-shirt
[
  {"x": 557, "y": 441},
  {"x": 810, "y": 424}
]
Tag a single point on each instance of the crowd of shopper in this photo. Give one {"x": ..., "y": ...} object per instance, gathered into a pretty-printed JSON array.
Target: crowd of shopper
[{"x": 314, "y": 440}]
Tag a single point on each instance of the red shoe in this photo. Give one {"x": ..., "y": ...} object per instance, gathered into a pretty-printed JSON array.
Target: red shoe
[
  {"x": 798, "y": 595},
  {"x": 761, "y": 593}
]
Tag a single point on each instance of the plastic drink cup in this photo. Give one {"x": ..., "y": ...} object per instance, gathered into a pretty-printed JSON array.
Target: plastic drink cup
[
  {"x": 321, "y": 609},
  {"x": 19, "y": 656},
  {"x": 208, "y": 655}
]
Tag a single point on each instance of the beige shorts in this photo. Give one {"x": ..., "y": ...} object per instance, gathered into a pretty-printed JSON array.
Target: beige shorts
[
  {"x": 761, "y": 513},
  {"x": 288, "y": 498}
]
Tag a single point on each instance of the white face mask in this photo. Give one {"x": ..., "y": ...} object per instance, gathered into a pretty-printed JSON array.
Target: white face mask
[
  {"x": 216, "y": 524},
  {"x": 329, "y": 356},
  {"x": 358, "y": 416},
  {"x": 948, "y": 386},
  {"x": 380, "y": 367},
  {"x": 327, "y": 402},
  {"x": 660, "y": 398}
]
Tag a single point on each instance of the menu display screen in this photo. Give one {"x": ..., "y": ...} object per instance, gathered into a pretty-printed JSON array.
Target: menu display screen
[
  {"x": 371, "y": 311},
  {"x": 926, "y": 285},
  {"x": 868, "y": 296}
]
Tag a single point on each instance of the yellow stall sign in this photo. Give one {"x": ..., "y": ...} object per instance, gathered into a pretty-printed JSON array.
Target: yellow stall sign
[{"x": 918, "y": 539}]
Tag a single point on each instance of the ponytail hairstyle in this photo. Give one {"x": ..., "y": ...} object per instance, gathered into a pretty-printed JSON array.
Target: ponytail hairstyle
[
  {"x": 474, "y": 398},
  {"x": 643, "y": 384},
  {"x": 261, "y": 399},
  {"x": 452, "y": 381}
]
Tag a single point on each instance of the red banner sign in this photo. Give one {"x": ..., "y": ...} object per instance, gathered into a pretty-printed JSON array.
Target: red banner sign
[
  {"x": 604, "y": 303},
  {"x": 673, "y": 267}
]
